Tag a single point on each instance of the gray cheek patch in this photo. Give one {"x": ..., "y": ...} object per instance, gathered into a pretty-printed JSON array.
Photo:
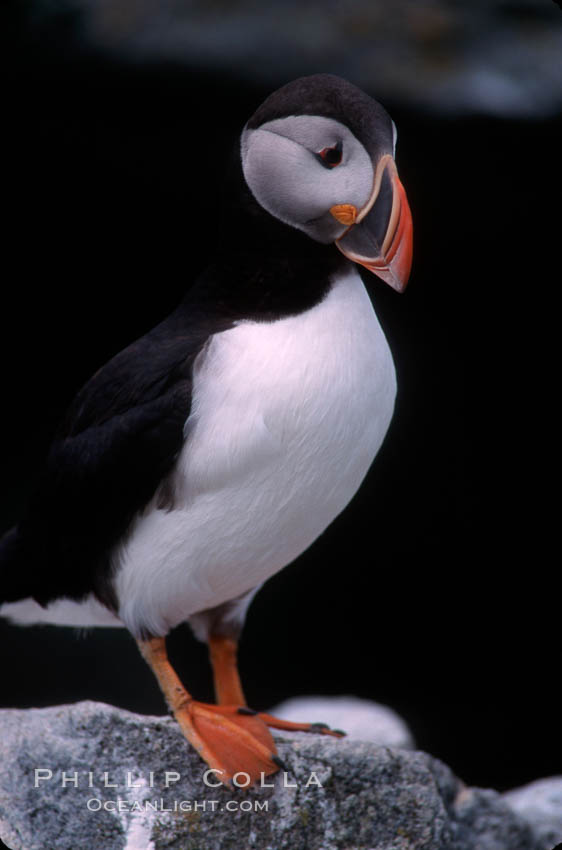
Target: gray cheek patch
[
  {"x": 280, "y": 177},
  {"x": 288, "y": 181}
]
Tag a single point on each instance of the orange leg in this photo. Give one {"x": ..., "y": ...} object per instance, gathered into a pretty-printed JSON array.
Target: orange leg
[
  {"x": 228, "y": 688},
  {"x": 229, "y": 740}
]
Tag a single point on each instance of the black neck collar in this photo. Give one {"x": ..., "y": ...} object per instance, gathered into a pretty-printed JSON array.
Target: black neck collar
[{"x": 264, "y": 269}]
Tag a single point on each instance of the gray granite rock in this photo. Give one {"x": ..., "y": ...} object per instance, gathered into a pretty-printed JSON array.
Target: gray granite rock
[
  {"x": 89, "y": 775},
  {"x": 540, "y": 804}
]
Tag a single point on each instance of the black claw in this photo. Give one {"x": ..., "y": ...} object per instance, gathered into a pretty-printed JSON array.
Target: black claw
[
  {"x": 279, "y": 762},
  {"x": 245, "y": 710},
  {"x": 318, "y": 727}
]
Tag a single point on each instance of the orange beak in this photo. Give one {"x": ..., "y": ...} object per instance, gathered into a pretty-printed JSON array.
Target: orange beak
[{"x": 379, "y": 236}]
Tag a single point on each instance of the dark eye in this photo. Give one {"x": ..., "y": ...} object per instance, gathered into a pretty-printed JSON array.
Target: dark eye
[{"x": 330, "y": 157}]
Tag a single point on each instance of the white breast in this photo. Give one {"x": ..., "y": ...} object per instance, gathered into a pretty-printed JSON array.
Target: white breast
[{"x": 286, "y": 419}]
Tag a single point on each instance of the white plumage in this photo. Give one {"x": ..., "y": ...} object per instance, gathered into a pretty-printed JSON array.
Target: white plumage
[{"x": 287, "y": 417}]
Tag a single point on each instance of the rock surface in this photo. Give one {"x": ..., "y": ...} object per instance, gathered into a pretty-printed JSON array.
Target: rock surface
[
  {"x": 540, "y": 803},
  {"x": 90, "y": 775}
]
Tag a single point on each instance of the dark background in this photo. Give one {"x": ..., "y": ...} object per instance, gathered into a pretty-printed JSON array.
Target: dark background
[{"x": 435, "y": 592}]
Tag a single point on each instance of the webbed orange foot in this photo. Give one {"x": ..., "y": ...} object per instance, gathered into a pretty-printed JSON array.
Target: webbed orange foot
[
  {"x": 229, "y": 689},
  {"x": 230, "y": 739}
]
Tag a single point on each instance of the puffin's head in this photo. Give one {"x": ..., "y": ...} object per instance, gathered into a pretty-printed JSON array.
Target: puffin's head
[{"x": 318, "y": 155}]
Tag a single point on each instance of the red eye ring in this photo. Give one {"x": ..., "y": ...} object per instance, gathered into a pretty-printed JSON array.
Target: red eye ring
[{"x": 331, "y": 157}]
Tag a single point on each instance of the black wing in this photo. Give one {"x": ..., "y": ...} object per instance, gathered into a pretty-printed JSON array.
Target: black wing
[{"x": 119, "y": 440}]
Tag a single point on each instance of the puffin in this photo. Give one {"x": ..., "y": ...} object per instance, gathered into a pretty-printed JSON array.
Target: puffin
[{"x": 214, "y": 450}]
